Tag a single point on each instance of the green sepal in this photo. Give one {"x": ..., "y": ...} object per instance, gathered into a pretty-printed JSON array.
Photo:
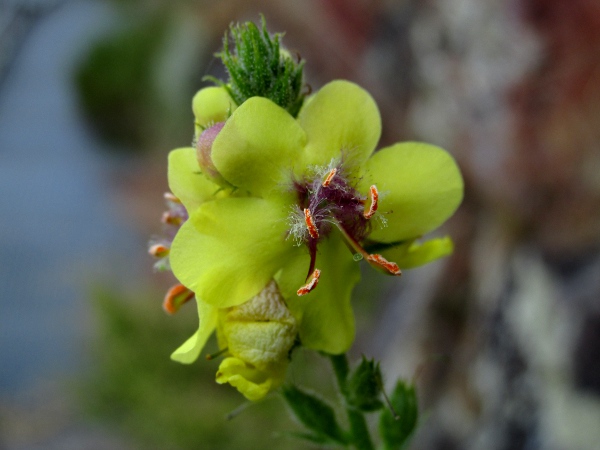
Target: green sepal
[
  {"x": 396, "y": 430},
  {"x": 257, "y": 66},
  {"x": 364, "y": 386},
  {"x": 315, "y": 414}
]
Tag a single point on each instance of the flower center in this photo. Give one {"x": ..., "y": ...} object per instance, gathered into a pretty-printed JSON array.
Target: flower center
[{"x": 327, "y": 200}]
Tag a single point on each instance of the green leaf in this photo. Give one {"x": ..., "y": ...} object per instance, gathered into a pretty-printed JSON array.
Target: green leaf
[
  {"x": 305, "y": 436},
  {"x": 396, "y": 430},
  {"x": 364, "y": 386},
  {"x": 314, "y": 414}
]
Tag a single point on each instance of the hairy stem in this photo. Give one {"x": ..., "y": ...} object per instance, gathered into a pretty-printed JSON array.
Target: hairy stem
[{"x": 359, "y": 432}]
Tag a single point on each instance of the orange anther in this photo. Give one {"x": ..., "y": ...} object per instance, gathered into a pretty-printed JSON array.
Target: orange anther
[
  {"x": 329, "y": 177},
  {"x": 176, "y": 297},
  {"x": 314, "y": 280},
  {"x": 310, "y": 224},
  {"x": 170, "y": 197},
  {"x": 158, "y": 250},
  {"x": 171, "y": 219},
  {"x": 374, "y": 200},
  {"x": 380, "y": 261}
]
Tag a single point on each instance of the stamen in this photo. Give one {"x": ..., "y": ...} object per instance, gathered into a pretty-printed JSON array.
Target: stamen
[
  {"x": 158, "y": 250},
  {"x": 329, "y": 177},
  {"x": 314, "y": 280},
  {"x": 374, "y": 199},
  {"x": 212, "y": 356},
  {"x": 310, "y": 224},
  {"x": 170, "y": 197},
  {"x": 176, "y": 297},
  {"x": 171, "y": 219},
  {"x": 380, "y": 261}
]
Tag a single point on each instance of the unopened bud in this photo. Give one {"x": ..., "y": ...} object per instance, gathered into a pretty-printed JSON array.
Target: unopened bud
[{"x": 203, "y": 153}]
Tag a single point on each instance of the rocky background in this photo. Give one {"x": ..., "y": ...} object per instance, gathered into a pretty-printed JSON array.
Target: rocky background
[{"x": 502, "y": 338}]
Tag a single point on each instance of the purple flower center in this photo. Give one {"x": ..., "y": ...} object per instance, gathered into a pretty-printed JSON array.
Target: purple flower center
[{"x": 329, "y": 199}]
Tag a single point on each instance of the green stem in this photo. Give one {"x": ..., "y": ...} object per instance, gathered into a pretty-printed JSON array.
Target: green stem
[
  {"x": 359, "y": 429},
  {"x": 359, "y": 432}
]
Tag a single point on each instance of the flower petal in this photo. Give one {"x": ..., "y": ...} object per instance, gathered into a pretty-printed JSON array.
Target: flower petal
[
  {"x": 258, "y": 147},
  {"x": 340, "y": 117},
  {"x": 414, "y": 254},
  {"x": 211, "y": 105},
  {"x": 189, "y": 351},
  {"x": 325, "y": 317},
  {"x": 186, "y": 181},
  {"x": 420, "y": 187},
  {"x": 252, "y": 383},
  {"x": 229, "y": 249}
]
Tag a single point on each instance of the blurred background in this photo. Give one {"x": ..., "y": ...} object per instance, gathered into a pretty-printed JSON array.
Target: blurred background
[{"x": 502, "y": 338}]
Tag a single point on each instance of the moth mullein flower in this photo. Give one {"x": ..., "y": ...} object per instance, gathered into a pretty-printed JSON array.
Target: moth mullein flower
[{"x": 304, "y": 191}]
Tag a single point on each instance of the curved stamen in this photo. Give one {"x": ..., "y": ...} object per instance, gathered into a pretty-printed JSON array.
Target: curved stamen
[
  {"x": 375, "y": 260},
  {"x": 171, "y": 198},
  {"x": 329, "y": 177},
  {"x": 176, "y": 297},
  {"x": 170, "y": 218},
  {"x": 158, "y": 250},
  {"x": 314, "y": 280},
  {"x": 212, "y": 356},
  {"x": 383, "y": 263},
  {"x": 374, "y": 193},
  {"x": 310, "y": 224}
]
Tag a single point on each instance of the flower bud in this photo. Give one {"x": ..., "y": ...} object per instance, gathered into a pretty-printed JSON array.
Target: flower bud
[
  {"x": 211, "y": 105},
  {"x": 203, "y": 153}
]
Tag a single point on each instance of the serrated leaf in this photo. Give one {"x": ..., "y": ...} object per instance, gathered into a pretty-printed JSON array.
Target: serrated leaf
[
  {"x": 396, "y": 431},
  {"x": 314, "y": 413}
]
